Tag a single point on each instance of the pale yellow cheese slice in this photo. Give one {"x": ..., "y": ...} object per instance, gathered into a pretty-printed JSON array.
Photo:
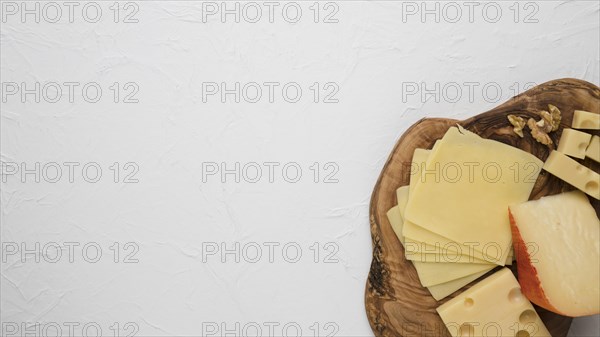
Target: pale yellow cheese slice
[
  {"x": 418, "y": 161},
  {"x": 440, "y": 291},
  {"x": 420, "y": 251},
  {"x": 446, "y": 250},
  {"x": 468, "y": 203},
  {"x": 402, "y": 197},
  {"x": 395, "y": 219},
  {"x": 493, "y": 307},
  {"x": 439, "y": 272}
]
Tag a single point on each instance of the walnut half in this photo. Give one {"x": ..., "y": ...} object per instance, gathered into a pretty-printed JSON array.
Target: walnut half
[
  {"x": 556, "y": 116},
  {"x": 539, "y": 131},
  {"x": 518, "y": 123}
]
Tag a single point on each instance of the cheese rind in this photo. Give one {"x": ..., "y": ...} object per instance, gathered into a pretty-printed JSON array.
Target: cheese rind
[
  {"x": 492, "y": 307},
  {"x": 574, "y": 143},
  {"x": 559, "y": 234},
  {"x": 469, "y": 207},
  {"x": 573, "y": 173},
  {"x": 586, "y": 120},
  {"x": 593, "y": 150}
]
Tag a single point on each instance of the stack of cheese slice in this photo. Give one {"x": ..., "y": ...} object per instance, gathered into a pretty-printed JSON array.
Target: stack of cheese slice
[{"x": 452, "y": 219}]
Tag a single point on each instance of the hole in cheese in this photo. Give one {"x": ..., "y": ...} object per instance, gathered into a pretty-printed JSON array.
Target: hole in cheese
[
  {"x": 591, "y": 187},
  {"x": 527, "y": 316},
  {"x": 469, "y": 302},
  {"x": 515, "y": 295},
  {"x": 466, "y": 330},
  {"x": 522, "y": 333}
]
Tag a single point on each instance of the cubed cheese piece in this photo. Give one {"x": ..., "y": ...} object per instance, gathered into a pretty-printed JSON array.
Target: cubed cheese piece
[
  {"x": 492, "y": 307},
  {"x": 573, "y": 173},
  {"x": 574, "y": 143},
  {"x": 586, "y": 120},
  {"x": 465, "y": 191},
  {"x": 593, "y": 150},
  {"x": 557, "y": 243},
  {"x": 440, "y": 291}
]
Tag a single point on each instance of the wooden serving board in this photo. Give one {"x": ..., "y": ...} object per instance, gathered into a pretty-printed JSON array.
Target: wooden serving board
[{"x": 396, "y": 303}]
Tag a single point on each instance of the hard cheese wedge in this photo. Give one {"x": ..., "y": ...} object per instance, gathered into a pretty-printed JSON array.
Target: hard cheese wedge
[
  {"x": 465, "y": 197},
  {"x": 493, "y": 307},
  {"x": 557, "y": 239}
]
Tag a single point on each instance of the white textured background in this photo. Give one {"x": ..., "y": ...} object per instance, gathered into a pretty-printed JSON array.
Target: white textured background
[{"x": 374, "y": 53}]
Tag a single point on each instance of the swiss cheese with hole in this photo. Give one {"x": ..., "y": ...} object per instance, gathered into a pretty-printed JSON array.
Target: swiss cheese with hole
[{"x": 493, "y": 307}]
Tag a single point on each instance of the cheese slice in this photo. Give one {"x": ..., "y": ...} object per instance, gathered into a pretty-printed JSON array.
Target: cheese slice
[
  {"x": 395, "y": 219},
  {"x": 465, "y": 197},
  {"x": 418, "y": 250},
  {"x": 586, "y": 120},
  {"x": 573, "y": 173},
  {"x": 418, "y": 161},
  {"x": 437, "y": 273},
  {"x": 440, "y": 291},
  {"x": 493, "y": 307},
  {"x": 593, "y": 150},
  {"x": 402, "y": 197},
  {"x": 574, "y": 143}
]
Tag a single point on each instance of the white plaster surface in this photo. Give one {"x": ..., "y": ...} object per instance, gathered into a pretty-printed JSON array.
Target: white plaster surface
[{"x": 372, "y": 58}]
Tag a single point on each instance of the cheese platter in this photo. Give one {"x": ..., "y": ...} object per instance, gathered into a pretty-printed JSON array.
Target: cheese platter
[{"x": 418, "y": 210}]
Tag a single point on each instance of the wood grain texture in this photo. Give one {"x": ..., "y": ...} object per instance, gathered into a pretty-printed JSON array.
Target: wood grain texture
[{"x": 395, "y": 301}]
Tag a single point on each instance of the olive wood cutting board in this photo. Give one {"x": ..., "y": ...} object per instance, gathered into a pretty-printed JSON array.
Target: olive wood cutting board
[{"x": 395, "y": 301}]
